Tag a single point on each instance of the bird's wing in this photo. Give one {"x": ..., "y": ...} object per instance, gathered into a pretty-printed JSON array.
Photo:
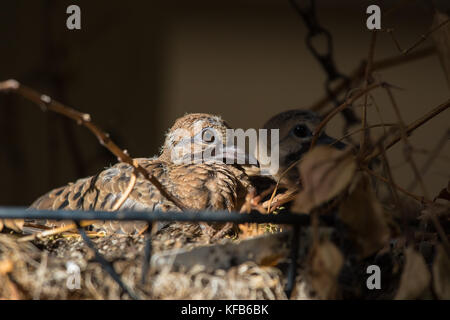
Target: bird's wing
[
  {"x": 210, "y": 186},
  {"x": 102, "y": 191}
]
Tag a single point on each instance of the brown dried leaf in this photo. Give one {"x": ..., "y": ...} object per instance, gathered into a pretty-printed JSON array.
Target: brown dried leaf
[
  {"x": 363, "y": 214},
  {"x": 415, "y": 277},
  {"x": 326, "y": 262},
  {"x": 441, "y": 39},
  {"x": 441, "y": 274},
  {"x": 13, "y": 224},
  {"x": 324, "y": 173}
]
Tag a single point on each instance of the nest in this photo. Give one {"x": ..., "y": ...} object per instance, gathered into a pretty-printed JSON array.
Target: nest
[{"x": 27, "y": 272}]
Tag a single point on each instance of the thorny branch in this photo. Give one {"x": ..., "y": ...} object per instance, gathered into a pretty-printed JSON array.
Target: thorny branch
[{"x": 47, "y": 103}]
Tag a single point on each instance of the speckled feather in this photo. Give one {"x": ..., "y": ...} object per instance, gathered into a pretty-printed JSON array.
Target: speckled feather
[{"x": 210, "y": 186}]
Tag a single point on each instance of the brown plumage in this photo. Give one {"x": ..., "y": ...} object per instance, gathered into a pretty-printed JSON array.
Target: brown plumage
[{"x": 205, "y": 185}]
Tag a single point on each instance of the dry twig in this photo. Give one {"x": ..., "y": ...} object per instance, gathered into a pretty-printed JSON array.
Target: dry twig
[
  {"x": 432, "y": 156},
  {"x": 335, "y": 111},
  {"x": 409, "y": 129},
  {"x": 47, "y": 103},
  {"x": 358, "y": 74},
  {"x": 54, "y": 231},
  {"x": 367, "y": 80},
  {"x": 415, "y": 169},
  {"x": 422, "y": 38}
]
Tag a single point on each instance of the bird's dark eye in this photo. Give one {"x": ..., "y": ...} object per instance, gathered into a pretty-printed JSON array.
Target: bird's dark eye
[
  {"x": 301, "y": 131},
  {"x": 208, "y": 136}
]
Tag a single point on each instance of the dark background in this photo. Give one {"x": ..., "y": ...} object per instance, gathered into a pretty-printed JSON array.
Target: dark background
[{"x": 136, "y": 66}]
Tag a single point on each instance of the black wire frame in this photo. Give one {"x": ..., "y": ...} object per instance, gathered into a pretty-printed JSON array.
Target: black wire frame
[{"x": 295, "y": 219}]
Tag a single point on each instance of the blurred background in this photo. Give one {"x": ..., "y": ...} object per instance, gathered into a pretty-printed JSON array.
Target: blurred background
[{"x": 136, "y": 66}]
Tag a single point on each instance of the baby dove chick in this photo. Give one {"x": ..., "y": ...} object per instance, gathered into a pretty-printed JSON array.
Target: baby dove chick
[
  {"x": 296, "y": 129},
  {"x": 181, "y": 168}
]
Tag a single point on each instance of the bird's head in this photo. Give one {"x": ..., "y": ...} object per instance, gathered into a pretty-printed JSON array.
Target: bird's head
[
  {"x": 296, "y": 128},
  {"x": 201, "y": 137}
]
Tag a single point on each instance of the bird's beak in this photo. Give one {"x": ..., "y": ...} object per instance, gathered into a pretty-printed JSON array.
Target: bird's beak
[
  {"x": 234, "y": 155},
  {"x": 327, "y": 140}
]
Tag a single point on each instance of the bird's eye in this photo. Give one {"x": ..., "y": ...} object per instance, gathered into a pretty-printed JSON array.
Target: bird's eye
[
  {"x": 208, "y": 136},
  {"x": 301, "y": 131}
]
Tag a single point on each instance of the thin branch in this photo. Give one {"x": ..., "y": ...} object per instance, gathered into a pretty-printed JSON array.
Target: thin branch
[
  {"x": 280, "y": 199},
  {"x": 410, "y": 128},
  {"x": 357, "y": 75},
  {"x": 54, "y": 231},
  {"x": 106, "y": 265},
  {"x": 47, "y": 103},
  {"x": 393, "y": 188},
  {"x": 335, "y": 111},
  {"x": 127, "y": 192},
  {"x": 432, "y": 156},
  {"x": 269, "y": 206},
  {"x": 413, "y": 165},
  {"x": 419, "y": 41},
  {"x": 367, "y": 74},
  {"x": 378, "y": 125},
  {"x": 406, "y": 192},
  {"x": 408, "y": 147}
]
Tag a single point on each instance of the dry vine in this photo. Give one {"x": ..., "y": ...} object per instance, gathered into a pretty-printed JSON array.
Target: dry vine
[{"x": 85, "y": 119}]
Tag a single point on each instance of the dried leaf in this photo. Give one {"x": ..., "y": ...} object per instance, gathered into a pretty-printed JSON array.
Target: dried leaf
[
  {"x": 324, "y": 173},
  {"x": 441, "y": 39},
  {"x": 13, "y": 224},
  {"x": 326, "y": 262},
  {"x": 441, "y": 274},
  {"x": 415, "y": 277},
  {"x": 363, "y": 214}
]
